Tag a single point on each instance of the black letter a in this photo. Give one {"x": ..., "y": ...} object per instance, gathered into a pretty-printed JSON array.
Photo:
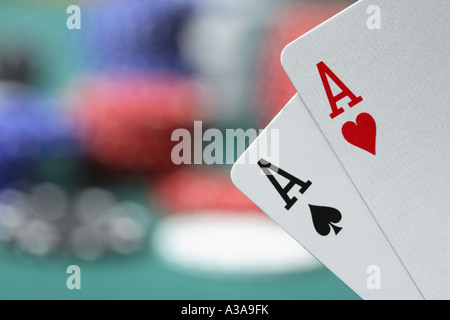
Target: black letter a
[{"x": 269, "y": 169}]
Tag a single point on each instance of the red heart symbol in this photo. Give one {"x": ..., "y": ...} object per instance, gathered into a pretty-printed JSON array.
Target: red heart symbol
[{"x": 362, "y": 133}]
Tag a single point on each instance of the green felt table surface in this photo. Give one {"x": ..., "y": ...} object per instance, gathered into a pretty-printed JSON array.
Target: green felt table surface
[{"x": 145, "y": 276}]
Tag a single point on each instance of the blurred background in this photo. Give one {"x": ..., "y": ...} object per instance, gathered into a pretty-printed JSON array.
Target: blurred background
[{"x": 86, "y": 176}]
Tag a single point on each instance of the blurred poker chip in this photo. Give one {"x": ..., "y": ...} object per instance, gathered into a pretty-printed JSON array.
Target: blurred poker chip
[
  {"x": 126, "y": 122},
  {"x": 46, "y": 220},
  {"x": 273, "y": 87},
  {"x": 210, "y": 227},
  {"x": 32, "y": 126},
  {"x": 137, "y": 36},
  {"x": 192, "y": 190}
]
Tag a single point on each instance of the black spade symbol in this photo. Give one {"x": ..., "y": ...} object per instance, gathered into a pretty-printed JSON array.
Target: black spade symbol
[{"x": 323, "y": 219}]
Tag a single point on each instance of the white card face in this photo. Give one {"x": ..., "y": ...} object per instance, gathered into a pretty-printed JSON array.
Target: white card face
[
  {"x": 329, "y": 219},
  {"x": 394, "y": 82}
]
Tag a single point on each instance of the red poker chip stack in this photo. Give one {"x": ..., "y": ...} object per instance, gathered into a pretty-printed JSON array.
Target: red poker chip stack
[
  {"x": 274, "y": 89},
  {"x": 126, "y": 123},
  {"x": 196, "y": 190}
]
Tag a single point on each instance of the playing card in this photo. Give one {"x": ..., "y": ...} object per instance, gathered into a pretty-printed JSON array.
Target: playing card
[
  {"x": 375, "y": 79},
  {"x": 302, "y": 186}
]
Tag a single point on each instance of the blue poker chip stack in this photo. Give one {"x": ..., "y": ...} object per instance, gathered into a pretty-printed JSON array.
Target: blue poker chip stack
[
  {"x": 137, "y": 36},
  {"x": 31, "y": 127}
]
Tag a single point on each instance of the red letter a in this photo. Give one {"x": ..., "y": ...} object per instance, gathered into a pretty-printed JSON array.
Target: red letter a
[{"x": 324, "y": 71}]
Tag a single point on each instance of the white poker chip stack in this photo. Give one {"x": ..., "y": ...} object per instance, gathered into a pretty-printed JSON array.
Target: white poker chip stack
[
  {"x": 211, "y": 228},
  {"x": 226, "y": 243}
]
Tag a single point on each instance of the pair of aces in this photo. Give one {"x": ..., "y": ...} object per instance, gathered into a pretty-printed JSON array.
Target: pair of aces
[{"x": 360, "y": 172}]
